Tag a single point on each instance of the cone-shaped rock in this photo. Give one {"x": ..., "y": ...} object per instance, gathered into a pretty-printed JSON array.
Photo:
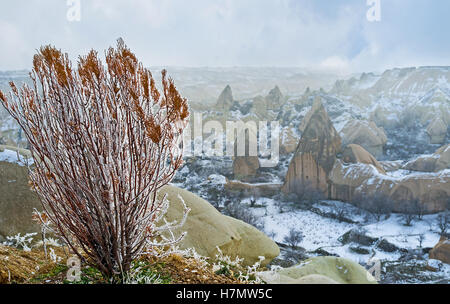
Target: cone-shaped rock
[
  {"x": 225, "y": 100},
  {"x": 246, "y": 165},
  {"x": 274, "y": 99},
  {"x": 315, "y": 153}
]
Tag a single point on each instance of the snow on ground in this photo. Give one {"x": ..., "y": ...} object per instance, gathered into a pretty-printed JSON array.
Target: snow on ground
[
  {"x": 322, "y": 232},
  {"x": 403, "y": 236},
  {"x": 317, "y": 231}
]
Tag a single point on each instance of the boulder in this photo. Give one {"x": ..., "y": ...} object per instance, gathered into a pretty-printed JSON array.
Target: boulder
[
  {"x": 437, "y": 130},
  {"x": 328, "y": 270},
  {"x": 349, "y": 181},
  {"x": 17, "y": 201},
  {"x": 365, "y": 134},
  {"x": 357, "y": 154},
  {"x": 225, "y": 100},
  {"x": 315, "y": 154},
  {"x": 439, "y": 160},
  {"x": 207, "y": 229},
  {"x": 441, "y": 251}
]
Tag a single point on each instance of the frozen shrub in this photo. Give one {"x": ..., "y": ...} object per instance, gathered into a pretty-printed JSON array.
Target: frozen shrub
[
  {"x": 20, "y": 241},
  {"x": 104, "y": 140}
]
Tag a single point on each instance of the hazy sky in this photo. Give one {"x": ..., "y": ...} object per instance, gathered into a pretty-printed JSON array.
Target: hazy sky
[{"x": 322, "y": 34}]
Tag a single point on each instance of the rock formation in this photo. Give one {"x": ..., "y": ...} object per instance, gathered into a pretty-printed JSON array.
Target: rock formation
[
  {"x": 441, "y": 251},
  {"x": 391, "y": 165},
  {"x": 17, "y": 201},
  {"x": 274, "y": 99},
  {"x": 349, "y": 181},
  {"x": 253, "y": 190},
  {"x": 437, "y": 130},
  {"x": 321, "y": 270},
  {"x": 356, "y": 154},
  {"x": 207, "y": 229},
  {"x": 288, "y": 141},
  {"x": 246, "y": 166},
  {"x": 225, "y": 100},
  {"x": 436, "y": 162},
  {"x": 365, "y": 134},
  {"x": 315, "y": 154}
]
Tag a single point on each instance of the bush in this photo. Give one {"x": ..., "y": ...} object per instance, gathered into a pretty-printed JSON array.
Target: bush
[
  {"x": 104, "y": 141},
  {"x": 443, "y": 223},
  {"x": 294, "y": 238},
  {"x": 307, "y": 195},
  {"x": 241, "y": 212},
  {"x": 378, "y": 204}
]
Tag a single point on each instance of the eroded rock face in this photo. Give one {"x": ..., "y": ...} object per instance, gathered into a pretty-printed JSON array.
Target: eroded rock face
[
  {"x": 246, "y": 166},
  {"x": 17, "y": 201},
  {"x": 439, "y": 160},
  {"x": 391, "y": 165},
  {"x": 430, "y": 189},
  {"x": 437, "y": 130},
  {"x": 357, "y": 154},
  {"x": 225, "y": 100},
  {"x": 255, "y": 190},
  {"x": 365, "y": 134},
  {"x": 441, "y": 251},
  {"x": 207, "y": 229},
  {"x": 315, "y": 154}
]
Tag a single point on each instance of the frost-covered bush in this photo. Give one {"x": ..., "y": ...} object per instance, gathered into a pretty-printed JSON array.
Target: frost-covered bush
[
  {"x": 104, "y": 140},
  {"x": 19, "y": 241},
  {"x": 225, "y": 265}
]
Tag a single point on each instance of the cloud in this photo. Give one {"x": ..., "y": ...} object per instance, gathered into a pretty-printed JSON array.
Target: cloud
[{"x": 319, "y": 34}]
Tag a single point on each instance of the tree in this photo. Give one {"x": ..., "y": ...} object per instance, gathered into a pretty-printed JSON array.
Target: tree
[
  {"x": 104, "y": 140},
  {"x": 240, "y": 212},
  {"x": 421, "y": 238},
  {"x": 293, "y": 238},
  {"x": 408, "y": 212},
  {"x": 443, "y": 221},
  {"x": 307, "y": 194},
  {"x": 377, "y": 204}
]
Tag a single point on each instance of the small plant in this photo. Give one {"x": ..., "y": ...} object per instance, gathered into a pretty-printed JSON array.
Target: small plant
[
  {"x": 225, "y": 265},
  {"x": 20, "y": 242}
]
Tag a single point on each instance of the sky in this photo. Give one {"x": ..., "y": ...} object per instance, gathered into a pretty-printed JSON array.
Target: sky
[{"x": 331, "y": 35}]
